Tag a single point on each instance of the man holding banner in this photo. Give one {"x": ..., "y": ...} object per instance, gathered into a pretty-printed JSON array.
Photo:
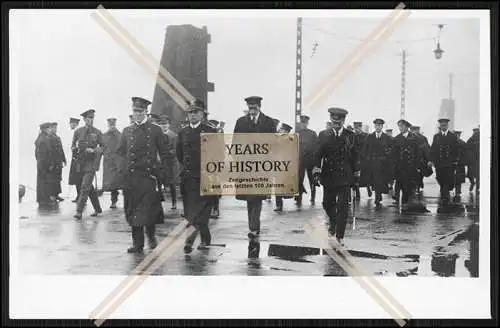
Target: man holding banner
[{"x": 254, "y": 122}]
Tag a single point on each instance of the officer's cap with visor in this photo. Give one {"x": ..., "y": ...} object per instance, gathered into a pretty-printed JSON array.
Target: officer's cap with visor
[
  {"x": 74, "y": 120},
  {"x": 140, "y": 104},
  {"x": 337, "y": 113},
  {"x": 378, "y": 121},
  {"x": 88, "y": 113},
  {"x": 405, "y": 123}
]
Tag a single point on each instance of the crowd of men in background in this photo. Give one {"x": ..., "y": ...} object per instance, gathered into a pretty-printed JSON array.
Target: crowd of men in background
[{"x": 148, "y": 160}]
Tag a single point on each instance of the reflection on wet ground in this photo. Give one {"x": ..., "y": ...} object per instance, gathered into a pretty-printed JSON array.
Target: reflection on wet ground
[{"x": 435, "y": 241}]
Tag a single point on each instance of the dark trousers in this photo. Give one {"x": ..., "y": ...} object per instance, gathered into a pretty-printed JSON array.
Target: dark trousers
[
  {"x": 407, "y": 191},
  {"x": 302, "y": 173},
  {"x": 279, "y": 201},
  {"x": 458, "y": 189},
  {"x": 336, "y": 206},
  {"x": 446, "y": 179},
  {"x": 114, "y": 196},
  {"x": 78, "y": 184},
  {"x": 200, "y": 223},
  {"x": 173, "y": 193},
  {"x": 88, "y": 191},
  {"x": 254, "y": 207},
  {"x": 138, "y": 235}
]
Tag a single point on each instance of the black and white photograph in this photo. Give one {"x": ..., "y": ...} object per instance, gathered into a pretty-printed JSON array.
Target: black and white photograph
[{"x": 109, "y": 110}]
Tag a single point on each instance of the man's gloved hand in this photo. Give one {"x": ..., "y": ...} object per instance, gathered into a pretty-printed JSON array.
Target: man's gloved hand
[{"x": 316, "y": 176}]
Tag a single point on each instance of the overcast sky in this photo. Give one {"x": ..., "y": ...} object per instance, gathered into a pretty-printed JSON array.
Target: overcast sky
[{"x": 65, "y": 63}]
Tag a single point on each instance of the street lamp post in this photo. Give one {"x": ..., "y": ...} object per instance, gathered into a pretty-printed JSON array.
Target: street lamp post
[{"x": 438, "y": 52}]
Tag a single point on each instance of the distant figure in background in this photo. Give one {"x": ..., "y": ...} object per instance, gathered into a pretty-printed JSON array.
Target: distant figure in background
[
  {"x": 89, "y": 141},
  {"x": 460, "y": 173},
  {"x": 376, "y": 154},
  {"x": 283, "y": 128},
  {"x": 473, "y": 148},
  {"x": 131, "y": 119},
  {"x": 73, "y": 179},
  {"x": 308, "y": 143},
  {"x": 329, "y": 125},
  {"x": 360, "y": 138},
  {"x": 44, "y": 152},
  {"x": 214, "y": 213},
  {"x": 60, "y": 161},
  {"x": 255, "y": 122},
  {"x": 391, "y": 182},
  {"x": 22, "y": 192},
  {"x": 426, "y": 148},
  {"x": 172, "y": 165},
  {"x": 112, "y": 162},
  {"x": 444, "y": 156}
]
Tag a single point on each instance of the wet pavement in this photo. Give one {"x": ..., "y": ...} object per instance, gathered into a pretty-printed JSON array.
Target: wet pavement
[{"x": 382, "y": 241}]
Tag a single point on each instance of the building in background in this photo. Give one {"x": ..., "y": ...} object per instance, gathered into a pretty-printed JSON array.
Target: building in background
[{"x": 185, "y": 57}]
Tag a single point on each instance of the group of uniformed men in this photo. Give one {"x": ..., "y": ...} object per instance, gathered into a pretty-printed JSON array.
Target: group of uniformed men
[{"x": 148, "y": 154}]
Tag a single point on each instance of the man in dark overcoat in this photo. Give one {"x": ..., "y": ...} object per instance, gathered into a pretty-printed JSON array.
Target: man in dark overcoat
[
  {"x": 141, "y": 144},
  {"x": 473, "y": 160},
  {"x": 60, "y": 160},
  {"x": 254, "y": 122},
  {"x": 44, "y": 155},
  {"x": 337, "y": 167},
  {"x": 171, "y": 170},
  {"x": 426, "y": 148},
  {"x": 408, "y": 160},
  {"x": 73, "y": 179},
  {"x": 460, "y": 173},
  {"x": 391, "y": 169},
  {"x": 283, "y": 128},
  {"x": 188, "y": 150},
  {"x": 112, "y": 162},
  {"x": 360, "y": 138},
  {"x": 88, "y": 140},
  {"x": 377, "y": 161},
  {"x": 308, "y": 142},
  {"x": 444, "y": 157}
]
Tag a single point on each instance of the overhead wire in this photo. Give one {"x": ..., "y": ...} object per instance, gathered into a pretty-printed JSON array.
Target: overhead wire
[{"x": 358, "y": 39}]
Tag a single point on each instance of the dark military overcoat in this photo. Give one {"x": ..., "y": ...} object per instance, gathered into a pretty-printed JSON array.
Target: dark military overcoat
[
  {"x": 338, "y": 158},
  {"x": 188, "y": 152},
  {"x": 376, "y": 161},
  {"x": 140, "y": 145},
  {"x": 113, "y": 163},
  {"x": 473, "y": 156},
  {"x": 408, "y": 158},
  {"x": 462, "y": 162},
  {"x": 444, "y": 155}
]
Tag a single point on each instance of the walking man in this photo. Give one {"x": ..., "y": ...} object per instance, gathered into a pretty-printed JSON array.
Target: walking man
[
  {"x": 60, "y": 161},
  {"x": 188, "y": 150},
  {"x": 112, "y": 162},
  {"x": 283, "y": 129},
  {"x": 424, "y": 144},
  {"x": 461, "y": 163},
  {"x": 336, "y": 168},
  {"x": 172, "y": 165},
  {"x": 377, "y": 161},
  {"x": 255, "y": 122},
  {"x": 444, "y": 156},
  {"x": 360, "y": 138},
  {"x": 308, "y": 140},
  {"x": 73, "y": 179},
  {"x": 141, "y": 144},
  {"x": 407, "y": 157},
  {"x": 45, "y": 167},
  {"x": 88, "y": 141},
  {"x": 473, "y": 148}
]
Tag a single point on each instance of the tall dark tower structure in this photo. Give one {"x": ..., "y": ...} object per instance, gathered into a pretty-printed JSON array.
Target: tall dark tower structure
[{"x": 185, "y": 57}]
